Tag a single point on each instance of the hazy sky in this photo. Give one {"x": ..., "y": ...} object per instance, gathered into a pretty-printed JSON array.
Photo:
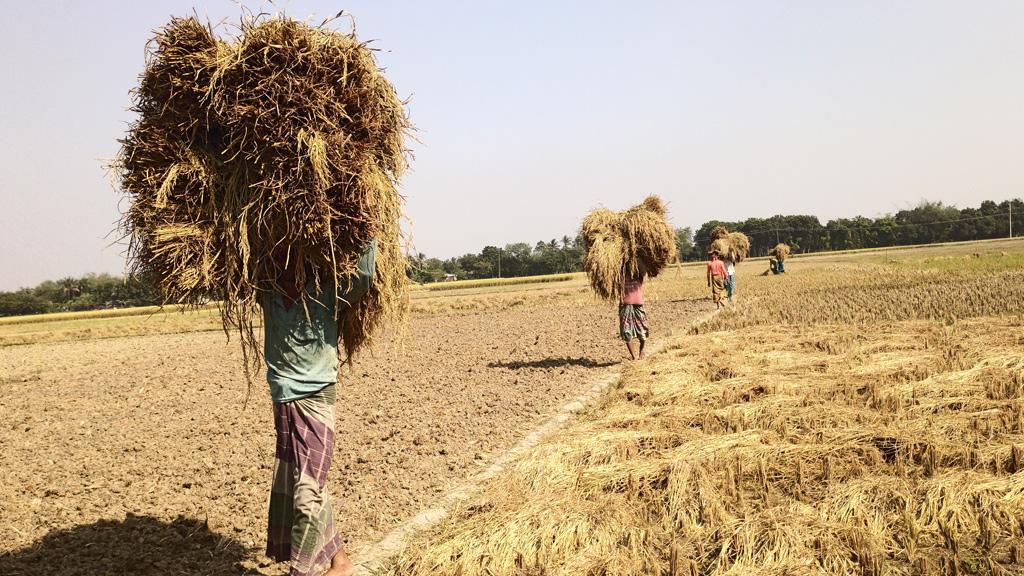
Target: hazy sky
[{"x": 531, "y": 113}]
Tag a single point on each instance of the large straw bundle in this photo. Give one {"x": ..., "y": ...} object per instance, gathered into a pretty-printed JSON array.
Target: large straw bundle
[
  {"x": 780, "y": 252},
  {"x": 605, "y": 251},
  {"x": 733, "y": 246},
  {"x": 740, "y": 246},
  {"x": 279, "y": 149},
  {"x": 632, "y": 243},
  {"x": 719, "y": 231}
]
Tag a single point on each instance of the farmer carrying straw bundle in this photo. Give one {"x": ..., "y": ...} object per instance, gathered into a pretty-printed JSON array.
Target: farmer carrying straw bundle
[
  {"x": 777, "y": 259},
  {"x": 632, "y": 316},
  {"x": 623, "y": 248},
  {"x": 717, "y": 278},
  {"x": 732, "y": 248},
  {"x": 262, "y": 173},
  {"x": 301, "y": 353}
]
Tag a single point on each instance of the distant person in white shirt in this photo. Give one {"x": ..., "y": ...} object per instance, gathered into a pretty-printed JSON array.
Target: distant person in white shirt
[{"x": 730, "y": 280}]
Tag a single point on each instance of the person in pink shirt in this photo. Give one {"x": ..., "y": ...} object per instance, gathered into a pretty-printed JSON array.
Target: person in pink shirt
[
  {"x": 717, "y": 278},
  {"x": 633, "y": 318}
]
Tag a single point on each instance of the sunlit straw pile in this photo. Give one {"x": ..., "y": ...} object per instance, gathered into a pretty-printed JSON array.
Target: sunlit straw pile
[
  {"x": 780, "y": 252},
  {"x": 830, "y": 450},
  {"x": 632, "y": 243},
  {"x": 719, "y": 231},
  {"x": 733, "y": 246},
  {"x": 279, "y": 147}
]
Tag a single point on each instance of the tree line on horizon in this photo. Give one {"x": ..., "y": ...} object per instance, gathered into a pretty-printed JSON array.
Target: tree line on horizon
[
  {"x": 926, "y": 223},
  {"x": 90, "y": 292}
]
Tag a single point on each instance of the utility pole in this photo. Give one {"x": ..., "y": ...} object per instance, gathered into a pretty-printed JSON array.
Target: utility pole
[
  {"x": 1011, "y": 218},
  {"x": 499, "y": 262}
]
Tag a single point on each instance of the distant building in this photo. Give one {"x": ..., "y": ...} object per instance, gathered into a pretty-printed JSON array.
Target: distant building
[{"x": 450, "y": 278}]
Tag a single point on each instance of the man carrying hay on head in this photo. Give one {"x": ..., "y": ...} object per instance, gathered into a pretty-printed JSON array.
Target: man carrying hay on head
[
  {"x": 263, "y": 171},
  {"x": 632, "y": 317},
  {"x": 777, "y": 257},
  {"x": 717, "y": 276},
  {"x": 732, "y": 248},
  {"x": 623, "y": 248},
  {"x": 301, "y": 352}
]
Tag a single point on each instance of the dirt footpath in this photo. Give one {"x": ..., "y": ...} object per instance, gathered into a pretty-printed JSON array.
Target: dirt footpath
[{"x": 138, "y": 455}]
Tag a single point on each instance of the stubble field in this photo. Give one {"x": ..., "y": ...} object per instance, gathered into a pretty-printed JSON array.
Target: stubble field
[{"x": 858, "y": 416}]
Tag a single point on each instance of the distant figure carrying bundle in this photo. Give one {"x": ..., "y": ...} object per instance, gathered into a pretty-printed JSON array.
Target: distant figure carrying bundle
[
  {"x": 633, "y": 318},
  {"x": 717, "y": 278},
  {"x": 622, "y": 249},
  {"x": 777, "y": 258},
  {"x": 732, "y": 248},
  {"x": 624, "y": 244},
  {"x": 262, "y": 173}
]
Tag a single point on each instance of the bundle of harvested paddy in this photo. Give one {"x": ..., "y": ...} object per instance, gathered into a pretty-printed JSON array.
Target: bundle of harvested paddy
[
  {"x": 280, "y": 149},
  {"x": 780, "y": 252},
  {"x": 734, "y": 246},
  {"x": 633, "y": 243},
  {"x": 719, "y": 231},
  {"x": 605, "y": 249}
]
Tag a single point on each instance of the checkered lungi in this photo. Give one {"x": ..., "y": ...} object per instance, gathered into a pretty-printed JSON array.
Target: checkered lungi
[
  {"x": 301, "y": 523},
  {"x": 633, "y": 322}
]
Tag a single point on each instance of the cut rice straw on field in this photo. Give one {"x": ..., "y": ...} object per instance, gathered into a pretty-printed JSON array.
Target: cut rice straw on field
[
  {"x": 278, "y": 149},
  {"x": 632, "y": 244},
  {"x": 897, "y": 451},
  {"x": 862, "y": 294}
]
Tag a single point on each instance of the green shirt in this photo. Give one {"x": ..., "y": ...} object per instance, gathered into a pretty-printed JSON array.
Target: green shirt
[{"x": 302, "y": 351}]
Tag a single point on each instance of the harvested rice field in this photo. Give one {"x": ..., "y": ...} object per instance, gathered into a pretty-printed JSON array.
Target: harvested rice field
[
  {"x": 860, "y": 415},
  {"x": 856, "y": 416},
  {"x": 898, "y": 451}
]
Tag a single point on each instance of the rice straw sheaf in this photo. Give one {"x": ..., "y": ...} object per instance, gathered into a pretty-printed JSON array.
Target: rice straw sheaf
[
  {"x": 719, "y": 232},
  {"x": 781, "y": 251},
  {"x": 740, "y": 246},
  {"x": 281, "y": 148},
  {"x": 733, "y": 246},
  {"x": 633, "y": 243}
]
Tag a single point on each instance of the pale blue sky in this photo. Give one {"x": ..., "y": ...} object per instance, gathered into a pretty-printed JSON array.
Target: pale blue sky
[{"x": 532, "y": 113}]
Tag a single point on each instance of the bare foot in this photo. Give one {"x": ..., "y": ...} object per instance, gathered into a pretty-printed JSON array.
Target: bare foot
[
  {"x": 348, "y": 570},
  {"x": 341, "y": 565}
]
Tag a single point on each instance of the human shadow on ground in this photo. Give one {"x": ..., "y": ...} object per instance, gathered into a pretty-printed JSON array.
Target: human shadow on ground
[
  {"x": 138, "y": 546},
  {"x": 551, "y": 363}
]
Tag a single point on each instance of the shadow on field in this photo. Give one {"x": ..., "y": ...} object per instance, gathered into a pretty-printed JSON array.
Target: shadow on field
[
  {"x": 551, "y": 363},
  {"x": 139, "y": 545}
]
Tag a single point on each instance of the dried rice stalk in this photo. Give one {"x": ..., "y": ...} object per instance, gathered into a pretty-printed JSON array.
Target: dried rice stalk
[
  {"x": 719, "y": 232},
  {"x": 633, "y": 243},
  {"x": 732, "y": 246},
  {"x": 284, "y": 145},
  {"x": 775, "y": 468},
  {"x": 780, "y": 252}
]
